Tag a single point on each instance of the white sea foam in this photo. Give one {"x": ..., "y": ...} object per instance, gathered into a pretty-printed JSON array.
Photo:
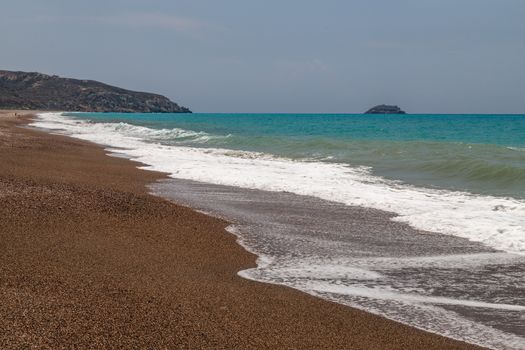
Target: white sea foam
[
  {"x": 385, "y": 294},
  {"x": 54, "y": 121},
  {"x": 423, "y": 313},
  {"x": 494, "y": 221}
]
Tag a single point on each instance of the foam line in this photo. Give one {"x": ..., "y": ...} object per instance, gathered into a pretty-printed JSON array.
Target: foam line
[{"x": 494, "y": 221}]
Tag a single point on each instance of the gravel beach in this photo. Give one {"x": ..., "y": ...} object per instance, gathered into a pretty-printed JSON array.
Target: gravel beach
[{"x": 90, "y": 259}]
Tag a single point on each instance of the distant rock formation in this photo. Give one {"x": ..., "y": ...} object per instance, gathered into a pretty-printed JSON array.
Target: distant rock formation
[
  {"x": 385, "y": 109},
  {"x": 22, "y": 90}
]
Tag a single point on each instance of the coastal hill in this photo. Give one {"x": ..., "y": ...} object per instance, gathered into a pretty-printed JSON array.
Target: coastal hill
[
  {"x": 24, "y": 90},
  {"x": 385, "y": 109}
]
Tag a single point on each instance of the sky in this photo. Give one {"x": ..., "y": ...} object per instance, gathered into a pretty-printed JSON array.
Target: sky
[{"x": 287, "y": 56}]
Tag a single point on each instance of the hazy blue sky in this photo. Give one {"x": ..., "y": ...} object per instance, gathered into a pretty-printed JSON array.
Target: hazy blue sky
[{"x": 437, "y": 56}]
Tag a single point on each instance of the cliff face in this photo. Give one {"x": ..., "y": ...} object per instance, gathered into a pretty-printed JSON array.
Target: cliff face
[
  {"x": 385, "y": 109},
  {"x": 22, "y": 90}
]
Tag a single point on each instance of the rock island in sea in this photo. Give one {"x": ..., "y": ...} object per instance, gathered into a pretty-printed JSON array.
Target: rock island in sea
[{"x": 385, "y": 109}]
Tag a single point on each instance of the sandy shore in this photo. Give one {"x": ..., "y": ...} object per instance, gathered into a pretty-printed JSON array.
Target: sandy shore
[{"x": 88, "y": 259}]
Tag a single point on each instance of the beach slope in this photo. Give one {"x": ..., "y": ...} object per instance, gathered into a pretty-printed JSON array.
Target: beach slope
[{"x": 89, "y": 259}]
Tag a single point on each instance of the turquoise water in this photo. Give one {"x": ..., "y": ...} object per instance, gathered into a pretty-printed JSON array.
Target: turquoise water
[{"x": 482, "y": 154}]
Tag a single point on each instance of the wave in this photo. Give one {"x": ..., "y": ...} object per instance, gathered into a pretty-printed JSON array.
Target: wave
[
  {"x": 55, "y": 121},
  {"x": 517, "y": 149},
  {"x": 476, "y": 167},
  {"x": 496, "y": 222},
  {"x": 479, "y": 170}
]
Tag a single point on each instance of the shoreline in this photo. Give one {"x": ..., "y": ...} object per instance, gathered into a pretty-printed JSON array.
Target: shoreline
[{"x": 117, "y": 267}]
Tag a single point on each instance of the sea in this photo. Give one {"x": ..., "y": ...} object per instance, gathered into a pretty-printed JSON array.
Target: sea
[{"x": 418, "y": 218}]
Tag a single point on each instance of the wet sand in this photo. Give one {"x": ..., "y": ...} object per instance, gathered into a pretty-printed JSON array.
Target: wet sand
[
  {"x": 361, "y": 257},
  {"x": 89, "y": 259}
]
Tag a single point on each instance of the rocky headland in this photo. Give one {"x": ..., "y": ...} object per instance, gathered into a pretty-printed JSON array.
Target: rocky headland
[{"x": 37, "y": 91}]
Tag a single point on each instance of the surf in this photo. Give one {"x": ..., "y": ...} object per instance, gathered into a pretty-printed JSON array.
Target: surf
[{"x": 497, "y": 222}]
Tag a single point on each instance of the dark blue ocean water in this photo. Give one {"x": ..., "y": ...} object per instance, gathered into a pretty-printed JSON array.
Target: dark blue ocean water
[{"x": 476, "y": 153}]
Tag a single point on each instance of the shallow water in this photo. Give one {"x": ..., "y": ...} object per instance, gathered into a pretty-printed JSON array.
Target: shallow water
[{"x": 360, "y": 257}]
